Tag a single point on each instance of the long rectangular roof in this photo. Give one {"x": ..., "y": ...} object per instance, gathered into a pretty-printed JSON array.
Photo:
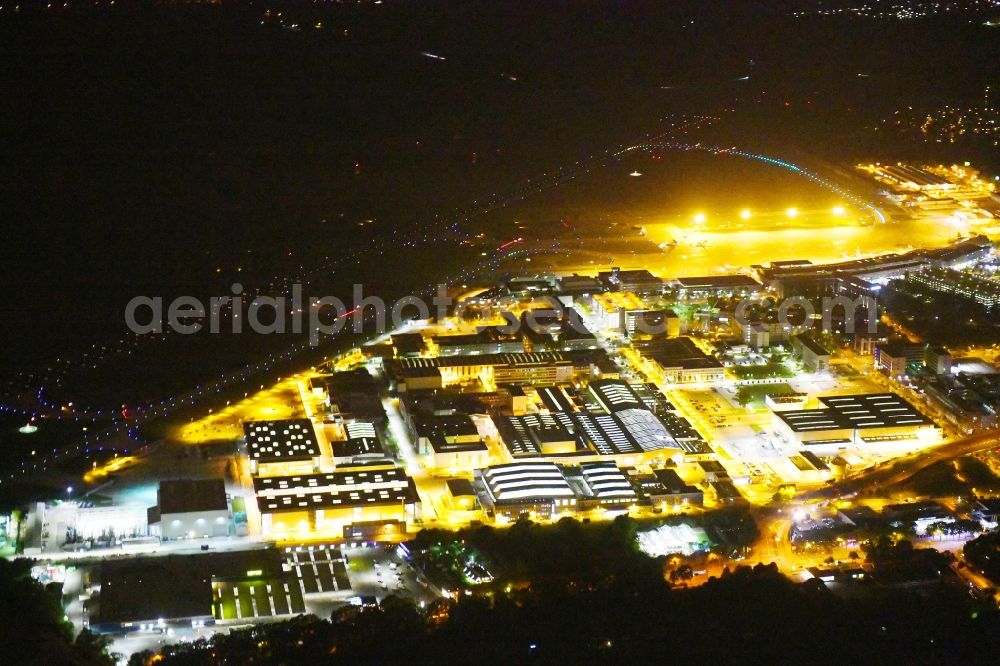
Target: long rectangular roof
[
  {"x": 331, "y": 480},
  {"x": 679, "y": 352},
  {"x": 606, "y": 433},
  {"x": 645, "y": 429},
  {"x": 627, "y": 431},
  {"x": 916, "y": 175},
  {"x": 810, "y": 343},
  {"x": 356, "y": 488},
  {"x": 522, "y": 434},
  {"x": 716, "y": 282},
  {"x": 283, "y": 440},
  {"x": 607, "y": 481},
  {"x": 511, "y": 359},
  {"x": 614, "y": 394},
  {"x": 555, "y": 398},
  {"x": 672, "y": 482},
  {"x": 360, "y": 497},
  {"x": 652, "y": 397},
  {"x": 805, "y": 420},
  {"x": 447, "y": 425},
  {"x": 362, "y": 439},
  {"x": 874, "y": 410},
  {"x": 526, "y": 481},
  {"x": 190, "y": 495}
]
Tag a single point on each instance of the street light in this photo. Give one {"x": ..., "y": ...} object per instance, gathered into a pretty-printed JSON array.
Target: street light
[
  {"x": 838, "y": 210},
  {"x": 792, "y": 212},
  {"x": 699, "y": 217},
  {"x": 745, "y": 214}
]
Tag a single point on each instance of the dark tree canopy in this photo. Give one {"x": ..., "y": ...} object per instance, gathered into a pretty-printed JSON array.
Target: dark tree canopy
[{"x": 32, "y": 627}]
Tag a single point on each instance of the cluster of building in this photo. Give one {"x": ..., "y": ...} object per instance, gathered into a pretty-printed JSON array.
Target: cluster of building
[
  {"x": 897, "y": 358},
  {"x": 679, "y": 361},
  {"x": 611, "y": 420},
  {"x": 345, "y": 486},
  {"x": 981, "y": 290},
  {"x": 429, "y": 373},
  {"x": 625, "y": 312},
  {"x": 862, "y": 278},
  {"x": 533, "y": 416},
  {"x": 970, "y": 400},
  {"x": 513, "y": 419},
  {"x": 921, "y": 518},
  {"x": 951, "y": 124},
  {"x": 546, "y": 489},
  {"x": 815, "y": 356},
  {"x": 152, "y": 593},
  {"x": 184, "y": 509},
  {"x": 934, "y": 190},
  {"x": 540, "y": 450},
  {"x": 543, "y": 488}
]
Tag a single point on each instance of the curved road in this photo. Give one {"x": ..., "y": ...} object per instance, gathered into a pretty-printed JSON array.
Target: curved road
[
  {"x": 775, "y": 525},
  {"x": 903, "y": 469}
]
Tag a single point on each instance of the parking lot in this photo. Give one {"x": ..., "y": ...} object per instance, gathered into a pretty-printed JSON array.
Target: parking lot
[
  {"x": 310, "y": 570},
  {"x": 718, "y": 417},
  {"x": 318, "y": 568},
  {"x": 379, "y": 572},
  {"x": 248, "y": 600}
]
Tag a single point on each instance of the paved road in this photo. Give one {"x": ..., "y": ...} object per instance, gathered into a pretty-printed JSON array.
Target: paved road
[
  {"x": 774, "y": 544},
  {"x": 181, "y": 547}
]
